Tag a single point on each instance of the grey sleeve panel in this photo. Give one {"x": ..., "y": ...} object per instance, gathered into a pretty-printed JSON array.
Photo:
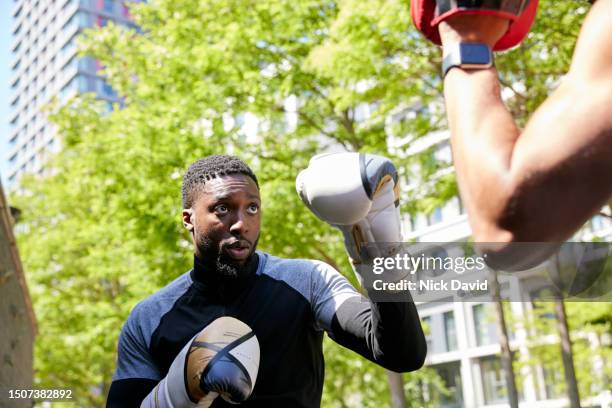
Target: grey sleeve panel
[
  {"x": 133, "y": 357},
  {"x": 330, "y": 291},
  {"x": 319, "y": 283}
]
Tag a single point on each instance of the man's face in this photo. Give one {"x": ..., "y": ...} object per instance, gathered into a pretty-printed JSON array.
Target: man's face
[{"x": 225, "y": 221}]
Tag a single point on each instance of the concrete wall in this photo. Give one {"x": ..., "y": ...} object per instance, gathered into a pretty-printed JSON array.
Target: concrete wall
[
  {"x": 16, "y": 340},
  {"x": 17, "y": 325}
]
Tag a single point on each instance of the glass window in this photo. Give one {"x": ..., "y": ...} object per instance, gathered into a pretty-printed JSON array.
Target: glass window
[
  {"x": 449, "y": 331},
  {"x": 67, "y": 89},
  {"x": 109, "y": 6},
  {"x": 493, "y": 383},
  {"x": 482, "y": 325},
  {"x": 70, "y": 64},
  {"x": 84, "y": 19},
  {"x": 86, "y": 84},
  {"x": 435, "y": 217},
  {"x": 67, "y": 5},
  {"x": 451, "y": 375},
  {"x": 69, "y": 24},
  {"x": 451, "y": 209},
  {"x": 543, "y": 312},
  {"x": 418, "y": 222},
  {"x": 67, "y": 49},
  {"x": 18, "y": 12},
  {"x": 107, "y": 90},
  {"x": 85, "y": 63},
  {"x": 427, "y": 328}
]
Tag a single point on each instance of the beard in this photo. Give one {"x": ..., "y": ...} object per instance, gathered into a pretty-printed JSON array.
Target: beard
[{"x": 218, "y": 261}]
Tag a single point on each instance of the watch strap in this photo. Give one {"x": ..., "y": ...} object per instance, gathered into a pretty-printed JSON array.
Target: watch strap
[{"x": 466, "y": 56}]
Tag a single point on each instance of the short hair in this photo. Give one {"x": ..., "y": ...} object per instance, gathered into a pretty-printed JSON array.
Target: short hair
[{"x": 208, "y": 168}]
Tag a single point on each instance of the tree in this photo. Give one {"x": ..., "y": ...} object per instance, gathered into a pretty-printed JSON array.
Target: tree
[
  {"x": 587, "y": 321},
  {"x": 102, "y": 230},
  {"x": 566, "y": 343}
]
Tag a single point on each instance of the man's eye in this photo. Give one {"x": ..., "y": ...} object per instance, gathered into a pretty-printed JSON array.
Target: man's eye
[
  {"x": 253, "y": 208},
  {"x": 221, "y": 209}
]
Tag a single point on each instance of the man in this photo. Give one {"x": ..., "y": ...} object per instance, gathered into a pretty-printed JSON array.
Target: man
[
  {"x": 287, "y": 303},
  {"x": 543, "y": 182}
]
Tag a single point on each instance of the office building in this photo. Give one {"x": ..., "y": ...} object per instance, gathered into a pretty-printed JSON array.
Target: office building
[{"x": 45, "y": 66}]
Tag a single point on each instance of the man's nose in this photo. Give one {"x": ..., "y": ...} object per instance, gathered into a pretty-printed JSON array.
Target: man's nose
[{"x": 238, "y": 225}]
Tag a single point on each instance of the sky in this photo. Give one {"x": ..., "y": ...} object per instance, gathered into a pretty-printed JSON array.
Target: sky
[{"x": 5, "y": 88}]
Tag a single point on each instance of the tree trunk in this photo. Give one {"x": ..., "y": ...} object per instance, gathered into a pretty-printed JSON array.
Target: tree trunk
[
  {"x": 396, "y": 385},
  {"x": 567, "y": 355},
  {"x": 506, "y": 354}
]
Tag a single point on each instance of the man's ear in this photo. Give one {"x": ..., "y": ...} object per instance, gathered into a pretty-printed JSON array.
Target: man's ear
[{"x": 188, "y": 219}]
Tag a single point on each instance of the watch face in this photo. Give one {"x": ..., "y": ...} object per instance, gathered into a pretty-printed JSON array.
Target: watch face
[{"x": 477, "y": 54}]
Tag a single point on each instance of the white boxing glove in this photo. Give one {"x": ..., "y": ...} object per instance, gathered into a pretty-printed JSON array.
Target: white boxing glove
[
  {"x": 358, "y": 194},
  {"x": 221, "y": 360}
]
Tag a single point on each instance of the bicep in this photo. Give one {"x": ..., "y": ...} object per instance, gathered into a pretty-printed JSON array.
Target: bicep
[
  {"x": 579, "y": 113},
  {"x": 558, "y": 165},
  {"x": 592, "y": 60},
  {"x": 576, "y": 119}
]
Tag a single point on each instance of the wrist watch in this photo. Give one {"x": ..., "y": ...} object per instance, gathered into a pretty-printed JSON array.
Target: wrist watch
[{"x": 466, "y": 56}]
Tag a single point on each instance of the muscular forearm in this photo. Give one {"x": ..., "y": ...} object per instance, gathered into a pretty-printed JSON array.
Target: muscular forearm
[
  {"x": 542, "y": 183},
  {"x": 538, "y": 185},
  {"x": 483, "y": 136}
]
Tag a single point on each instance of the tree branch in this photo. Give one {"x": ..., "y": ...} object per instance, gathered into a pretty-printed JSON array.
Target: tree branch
[{"x": 325, "y": 256}]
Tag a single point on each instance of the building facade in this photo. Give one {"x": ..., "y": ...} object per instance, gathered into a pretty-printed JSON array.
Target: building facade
[{"x": 45, "y": 66}]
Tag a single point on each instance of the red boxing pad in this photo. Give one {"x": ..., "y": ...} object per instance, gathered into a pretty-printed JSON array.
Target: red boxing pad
[{"x": 427, "y": 14}]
